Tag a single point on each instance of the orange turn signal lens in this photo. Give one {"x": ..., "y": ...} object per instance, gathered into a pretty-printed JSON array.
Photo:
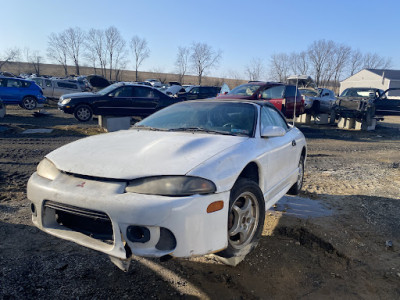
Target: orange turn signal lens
[{"x": 215, "y": 206}]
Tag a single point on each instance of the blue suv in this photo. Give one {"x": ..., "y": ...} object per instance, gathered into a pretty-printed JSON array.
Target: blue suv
[{"x": 25, "y": 93}]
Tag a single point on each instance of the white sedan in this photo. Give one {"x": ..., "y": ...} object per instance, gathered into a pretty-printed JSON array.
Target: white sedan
[{"x": 192, "y": 179}]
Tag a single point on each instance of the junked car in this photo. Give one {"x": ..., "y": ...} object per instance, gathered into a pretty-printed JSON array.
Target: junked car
[
  {"x": 192, "y": 179},
  {"x": 366, "y": 103},
  {"x": 285, "y": 97},
  {"x": 318, "y": 101},
  {"x": 24, "y": 93},
  {"x": 118, "y": 99},
  {"x": 55, "y": 88}
]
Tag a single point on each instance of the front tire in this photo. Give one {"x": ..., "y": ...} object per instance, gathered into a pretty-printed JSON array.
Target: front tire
[
  {"x": 295, "y": 189},
  {"x": 245, "y": 219},
  {"x": 29, "y": 103},
  {"x": 83, "y": 113}
]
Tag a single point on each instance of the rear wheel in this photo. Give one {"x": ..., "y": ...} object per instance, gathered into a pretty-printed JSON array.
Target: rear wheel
[
  {"x": 295, "y": 189},
  {"x": 83, "y": 113},
  {"x": 29, "y": 103},
  {"x": 245, "y": 219}
]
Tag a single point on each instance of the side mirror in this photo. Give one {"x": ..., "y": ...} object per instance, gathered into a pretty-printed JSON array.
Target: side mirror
[
  {"x": 111, "y": 95},
  {"x": 272, "y": 131},
  {"x": 259, "y": 96}
]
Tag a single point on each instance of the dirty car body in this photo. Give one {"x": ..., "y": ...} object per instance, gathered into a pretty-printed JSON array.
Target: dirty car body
[
  {"x": 364, "y": 103},
  {"x": 192, "y": 179}
]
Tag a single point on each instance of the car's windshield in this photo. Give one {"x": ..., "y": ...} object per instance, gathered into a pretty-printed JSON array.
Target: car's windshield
[
  {"x": 245, "y": 89},
  {"x": 108, "y": 89},
  {"x": 212, "y": 117},
  {"x": 357, "y": 92},
  {"x": 310, "y": 93}
]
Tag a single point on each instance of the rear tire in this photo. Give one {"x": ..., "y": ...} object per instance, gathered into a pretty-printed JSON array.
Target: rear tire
[
  {"x": 29, "y": 103},
  {"x": 83, "y": 113},
  {"x": 295, "y": 189},
  {"x": 245, "y": 219}
]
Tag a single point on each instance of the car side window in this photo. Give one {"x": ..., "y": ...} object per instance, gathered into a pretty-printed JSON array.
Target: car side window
[
  {"x": 48, "y": 83},
  {"x": 3, "y": 82},
  {"x": 143, "y": 92},
  {"x": 275, "y": 92},
  {"x": 195, "y": 90},
  {"x": 38, "y": 81},
  {"x": 124, "y": 91},
  {"x": 13, "y": 83},
  {"x": 270, "y": 117}
]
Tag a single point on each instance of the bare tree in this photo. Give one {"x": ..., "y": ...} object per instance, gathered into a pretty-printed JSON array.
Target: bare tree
[
  {"x": 9, "y": 55},
  {"x": 74, "y": 39},
  {"x": 298, "y": 63},
  {"x": 203, "y": 58},
  {"x": 140, "y": 52},
  {"x": 340, "y": 58},
  {"x": 114, "y": 45},
  {"x": 35, "y": 59},
  {"x": 182, "y": 62},
  {"x": 375, "y": 61},
  {"x": 319, "y": 53},
  {"x": 356, "y": 62},
  {"x": 255, "y": 69},
  {"x": 96, "y": 49},
  {"x": 57, "y": 50},
  {"x": 280, "y": 66}
]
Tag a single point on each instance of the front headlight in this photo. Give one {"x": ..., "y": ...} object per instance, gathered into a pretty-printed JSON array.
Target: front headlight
[
  {"x": 171, "y": 186},
  {"x": 65, "y": 101},
  {"x": 47, "y": 169}
]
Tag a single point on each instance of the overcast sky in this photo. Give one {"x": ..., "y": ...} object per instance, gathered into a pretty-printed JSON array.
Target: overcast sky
[{"x": 242, "y": 30}]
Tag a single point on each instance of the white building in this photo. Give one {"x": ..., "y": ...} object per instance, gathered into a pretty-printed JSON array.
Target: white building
[{"x": 374, "y": 78}]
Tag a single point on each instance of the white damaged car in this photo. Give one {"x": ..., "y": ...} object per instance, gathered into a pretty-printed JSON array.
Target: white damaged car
[{"x": 192, "y": 179}]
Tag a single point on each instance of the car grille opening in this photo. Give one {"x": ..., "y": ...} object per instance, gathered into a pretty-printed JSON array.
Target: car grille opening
[{"x": 94, "y": 224}]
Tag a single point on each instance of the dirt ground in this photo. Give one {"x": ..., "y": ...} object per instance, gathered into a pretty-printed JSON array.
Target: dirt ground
[{"x": 339, "y": 240}]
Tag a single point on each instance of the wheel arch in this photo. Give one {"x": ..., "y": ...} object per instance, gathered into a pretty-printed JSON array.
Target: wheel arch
[{"x": 251, "y": 171}]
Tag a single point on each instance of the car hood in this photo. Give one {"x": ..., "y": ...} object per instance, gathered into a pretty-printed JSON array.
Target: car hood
[
  {"x": 78, "y": 95},
  {"x": 137, "y": 153}
]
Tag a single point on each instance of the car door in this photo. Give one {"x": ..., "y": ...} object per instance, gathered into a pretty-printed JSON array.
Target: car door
[
  {"x": 193, "y": 93},
  {"x": 385, "y": 106},
  {"x": 11, "y": 91},
  {"x": 118, "y": 102},
  {"x": 293, "y": 97},
  {"x": 279, "y": 158}
]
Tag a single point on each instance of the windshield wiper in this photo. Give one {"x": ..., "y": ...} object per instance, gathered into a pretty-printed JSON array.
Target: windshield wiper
[
  {"x": 201, "y": 129},
  {"x": 148, "y": 128}
]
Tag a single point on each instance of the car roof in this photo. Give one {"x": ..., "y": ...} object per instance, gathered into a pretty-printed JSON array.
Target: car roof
[{"x": 17, "y": 78}]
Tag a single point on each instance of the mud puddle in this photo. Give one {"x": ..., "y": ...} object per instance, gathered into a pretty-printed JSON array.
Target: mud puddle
[{"x": 301, "y": 207}]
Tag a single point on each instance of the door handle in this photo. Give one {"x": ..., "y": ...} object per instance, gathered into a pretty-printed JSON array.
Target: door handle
[{"x": 294, "y": 143}]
